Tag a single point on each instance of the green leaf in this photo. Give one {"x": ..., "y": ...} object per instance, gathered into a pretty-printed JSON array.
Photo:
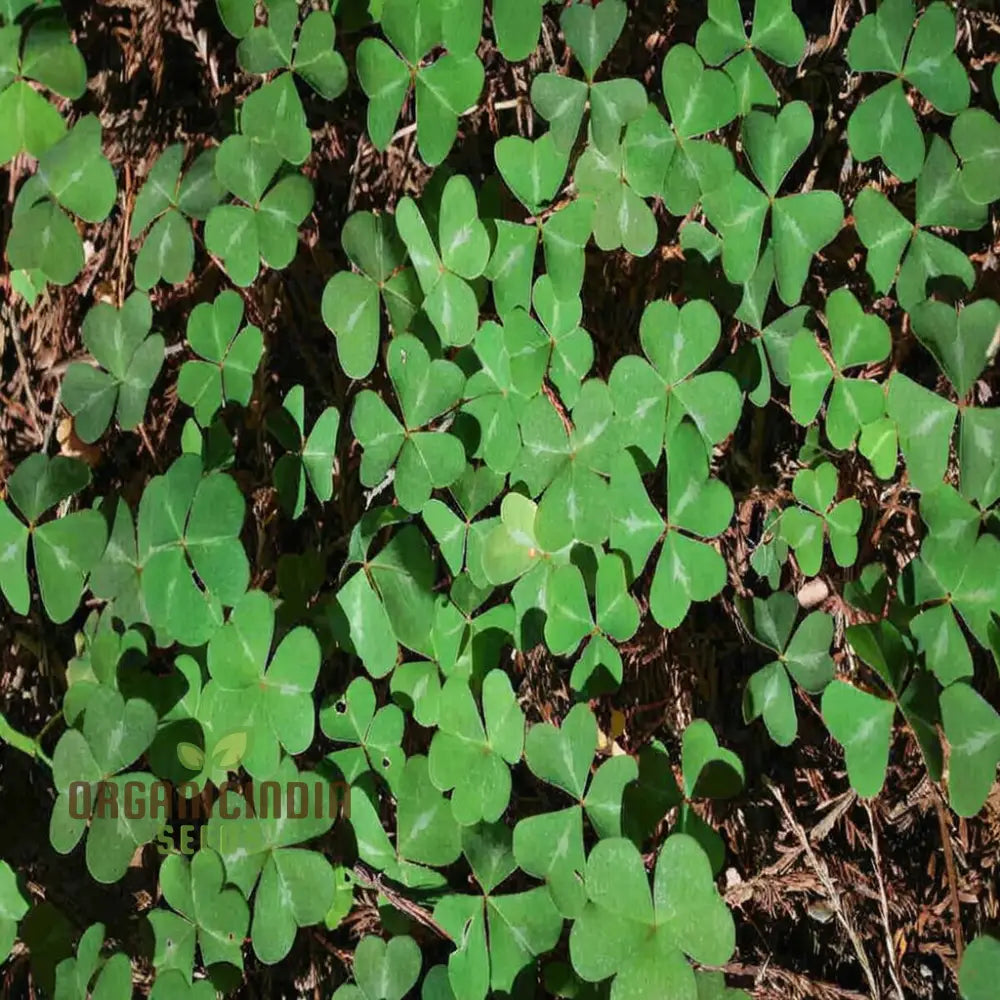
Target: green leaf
[
  {"x": 471, "y": 759},
  {"x": 641, "y": 938},
  {"x": 28, "y": 122},
  {"x": 677, "y": 342},
  {"x": 384, "y": 77},
  {"x": 13, "y": 906},
  {"x": 862, "y": 724},
  {"x": 803, "y": 225},
  {"x": 270, "y": 696},
  {"x": 884, "y": 125},
  {"x": 427, "y": 831},
  {"x": 65, "y": 551},
  {"x": 49, "y": 56},
  {"x": 931, "y": 64},
  {"x": 516, "y": 26},
  {"x": 774, "y": 144},
  {"x": 445, "y": 90},
  {"x": 924, "y": 422},
  {"x": 76, "y": 173},
  {"x": 700, "y": 100},
  {"x": 960, "y": 341},
  {"x": 878, "y": 43},
  {"x": 976, "y": 138},
  {"x": 316, "y": 61},
  {"x": 533, "y": 170},
  {"x": 273, "y": 114},
  {"x": 710, "y": 771},
  {"x": 562, "y": 756},
  {"x": 40, "y": 482},
  {"x": 591, "y": 32},
  {"x": 383, "y": 970},
  {"x": 218, "y": 916},
  {"x": 977, "y": 973},
  {"x": 972, "y": 728}
]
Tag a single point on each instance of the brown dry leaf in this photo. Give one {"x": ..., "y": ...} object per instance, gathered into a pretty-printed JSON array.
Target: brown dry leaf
[{"x": 72, "y": 447}]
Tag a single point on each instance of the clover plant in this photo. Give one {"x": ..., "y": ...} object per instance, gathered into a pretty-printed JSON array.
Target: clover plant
[{"x": 474, "y": 514}]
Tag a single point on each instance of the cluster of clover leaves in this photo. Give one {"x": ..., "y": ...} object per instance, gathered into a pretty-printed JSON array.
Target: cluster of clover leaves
[{"x": 520, "y": 498}]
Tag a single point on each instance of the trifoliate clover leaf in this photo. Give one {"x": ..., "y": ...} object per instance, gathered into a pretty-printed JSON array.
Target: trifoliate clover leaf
[
  {"x": 13, "y": 906},
  {"x": 591, "y": 33},
  {"x": 550, "y": 845},
  {"x": 65, "y": 549},
  {"x": 511, "y": 549},
  {"x": 513, "y": 359},
  {"x": 569, "y": 466},
  {"x": 375, "y": 735},
  {"x": 805, "y": 656},
  {"x": 42, "y": 51},
  {"x": 776, "y": 31},
  {"x": 805, "y": 526},
  {"x": 270, "y": 47},
  {"x": 890, "y": 237},
  {"x": 802, "y": 224},
  {"x": 229, "y": 357},
  {"x": 884, "y": 124},
  {"x": 265, "y": 228},
  {"x": 424, "y": 460},
  {"x": 653, "y": 398},
  {"x": 445, "y": 88},
  {"x": 383, "y": 970},
  {"x": 924, "y": 423},
  {"x": 621, "y": 217},
  {"x": 295, "y": 886},
  {"x": 308, "y": 457},
  {"x": 201, "y": 910},
  {"x": 700, "y": 100},
  {"x": 351, "y": 300},
  {"x": 471, "y": 760},
  {"x": 164, "y": 206},
  {"x": 954, "y": 575},
  {"x": 460, "y": 538},
  {"x": 856, "y": 338},
  {"x": 698, "y": 507},
  {"x": 90, "y": 975},
  {"x": 73, "y": 177},
  {"x": 450, "y": 302},
  {"x": 640, "y": 937},
  {"x": 961, "y": 341},
  {"x": 570, "y": 351},
  {"x": 190, "y": 522},
  {"x": 131, "y": 357},
  {"x": 114, "y": 735},
  {"x": 498, "y": 937},
  {"x": 251, "y": 690}
]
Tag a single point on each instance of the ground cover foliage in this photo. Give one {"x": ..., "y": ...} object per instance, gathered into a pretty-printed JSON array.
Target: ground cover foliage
[{"x": 571, "y": 428}]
